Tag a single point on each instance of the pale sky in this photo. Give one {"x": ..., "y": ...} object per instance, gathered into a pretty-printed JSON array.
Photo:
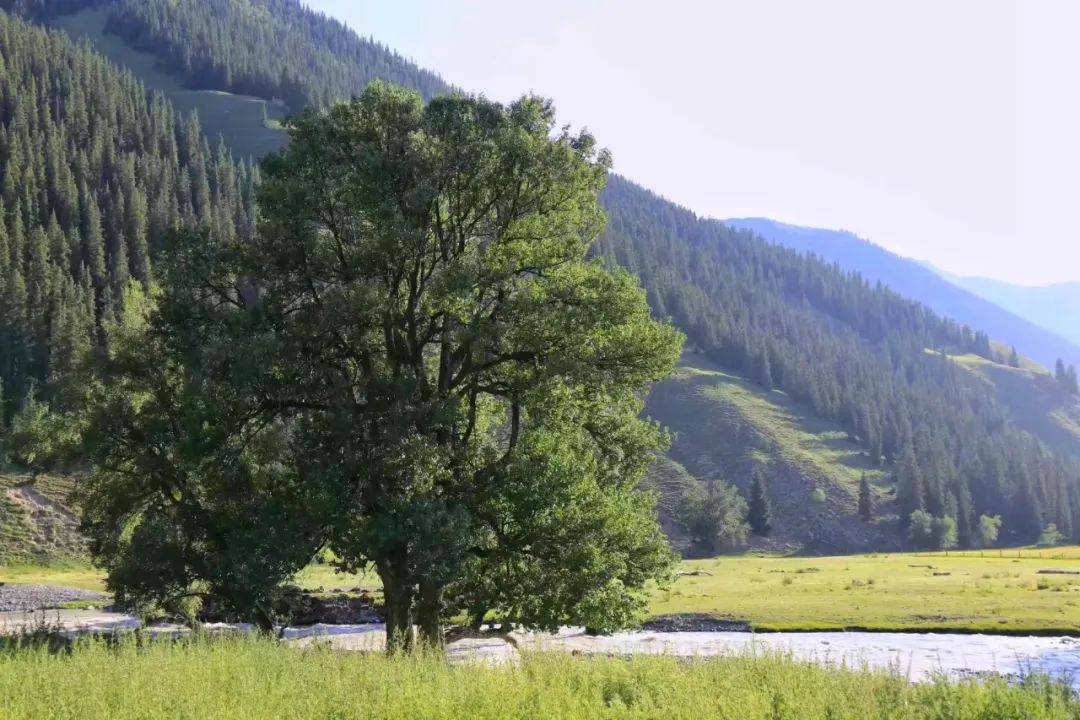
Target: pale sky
[{"x": 945, "y": 130}]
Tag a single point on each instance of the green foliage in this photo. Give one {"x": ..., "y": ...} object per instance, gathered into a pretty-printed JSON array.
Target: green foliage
[
  {"x": 715, "y": 516},
  {"x": 1050, "y": 536},
  {"x": 93, "y": 174},
  {"x": 931, "y": 533},
  {"x": 866, "y": 500},
  {"x": 850, "y": 351},
  {"x": 988, "y": 529},
  {"x": 945, "y": 533},
  {"x": 178, "y": 509},
  {"x": 759, "y": 516},
  {"x": 817, "y": 495},
  {"x": 268, "y": 48},
  {"x": 1066, "y": 377},
  {"x": 909, "y": 483},
  {"x": 433, "y": 378},
  {"x": 37, "y": 438},
  {"x": 921, "y": 529}
]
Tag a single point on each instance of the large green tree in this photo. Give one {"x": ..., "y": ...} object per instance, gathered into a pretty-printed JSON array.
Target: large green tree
[{"x": 417, "y": 362}]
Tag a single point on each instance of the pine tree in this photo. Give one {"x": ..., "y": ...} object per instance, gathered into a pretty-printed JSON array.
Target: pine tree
[
  {"x": 909, "y": 483},
  {"x": 1014, "y": 359},
  {"x": 765, "y": 377},
  {"x": 866, "y": 501},
  {"x": 89, "y": 169},
  {"x": 759, "y": 515}
]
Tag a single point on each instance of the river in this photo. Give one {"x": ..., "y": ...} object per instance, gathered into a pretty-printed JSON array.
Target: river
[{"x": 917, "y": 656}]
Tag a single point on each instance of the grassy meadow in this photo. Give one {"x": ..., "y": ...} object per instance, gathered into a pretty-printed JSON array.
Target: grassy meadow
[
  {"x": 988, "y": 591},
  {"x": 322, "y": 578},
  {"x": 245, "y": 678},
  {"x": 985, "y": 591}
]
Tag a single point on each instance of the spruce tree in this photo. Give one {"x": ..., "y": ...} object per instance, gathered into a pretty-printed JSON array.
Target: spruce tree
[
  {"x": 1014, "y": 359},
  {"x": 909, "y": 483},
  {"x": 759, "y": 515},
  {"x": 765, "y": 377},
  {"x": 866, "y": 501}
]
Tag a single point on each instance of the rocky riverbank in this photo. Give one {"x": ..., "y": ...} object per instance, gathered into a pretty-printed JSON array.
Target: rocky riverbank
[{"x": 29, "y": 598}]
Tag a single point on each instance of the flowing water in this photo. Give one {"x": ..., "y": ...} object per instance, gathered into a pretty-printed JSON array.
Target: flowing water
[{"x": 917, "y": 656}]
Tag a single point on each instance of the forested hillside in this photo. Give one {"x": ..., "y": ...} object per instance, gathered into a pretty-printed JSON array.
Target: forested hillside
[
  {"x": 93, "y": 174},
  {"x": 269, "y": 48},
  {"x": 854, "y": 354},
  {"x": 1042, "y": 341}
]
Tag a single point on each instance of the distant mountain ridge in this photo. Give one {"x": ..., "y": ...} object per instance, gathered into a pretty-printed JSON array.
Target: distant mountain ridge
[
  {"x": 1055, "y": 307},
  {"x": 914, "y": 280}
]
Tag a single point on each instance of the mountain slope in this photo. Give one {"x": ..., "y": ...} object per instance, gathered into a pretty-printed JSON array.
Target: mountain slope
[
  {"x": 911, "y": 278},
  {"x": 36, "y": 524},
  {"x": 726, "y": 427},
  {"x": 851, "y": 353},
  {"x": 1035, "y": 402},
  {"x": 249, "y": 125},
  {"x": 849, "y": 356},
  {"x": 94, "y": 173}
]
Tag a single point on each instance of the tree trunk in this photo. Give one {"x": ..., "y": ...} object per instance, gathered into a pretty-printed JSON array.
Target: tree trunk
[
  {"x": 397, "y": 605},
  {"x": 477, "y": 615},
  {"x": 429, "y": 615}
]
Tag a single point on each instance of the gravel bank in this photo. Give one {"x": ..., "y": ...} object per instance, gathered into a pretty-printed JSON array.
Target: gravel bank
[{"x": 16, "y": 597}]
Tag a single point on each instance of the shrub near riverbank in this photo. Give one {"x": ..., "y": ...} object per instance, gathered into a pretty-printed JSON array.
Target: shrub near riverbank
[{"x": 251, "y": 678}]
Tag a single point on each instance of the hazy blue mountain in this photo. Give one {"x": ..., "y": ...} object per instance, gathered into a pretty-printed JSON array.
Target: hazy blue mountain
[
  {"x": 1038, "y": 340},
  {"x": 1054, "y": 307}
]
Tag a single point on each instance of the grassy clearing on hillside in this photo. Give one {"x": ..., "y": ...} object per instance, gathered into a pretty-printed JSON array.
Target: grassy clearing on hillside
[
  {"x": 240, "y": 119},
  {"x": 726, "y": 426},
  {"x": 969, "y": 591},
  {"x": 986, "y": 591},
  {"x": 801, "y": 438},
  {"x": 1034, "y": 400},
  {"x": 250, "y": 678},
  {"x": 820, "y": 448}
]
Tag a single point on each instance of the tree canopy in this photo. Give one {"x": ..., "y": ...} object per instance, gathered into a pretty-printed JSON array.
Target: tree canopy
[{"x": 414, "y": 361}]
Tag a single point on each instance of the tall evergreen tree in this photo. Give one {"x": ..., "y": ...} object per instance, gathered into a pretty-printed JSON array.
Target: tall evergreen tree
[
  {"x": 866, "y": 500},
  {"x": 765, "y": 377},
  {"x": 910, "y": 484},
  {"x": 759, "y": 514}
]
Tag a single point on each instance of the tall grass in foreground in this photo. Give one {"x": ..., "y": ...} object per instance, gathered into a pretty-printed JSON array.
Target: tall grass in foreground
[{"x": 252, "y": 678}]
